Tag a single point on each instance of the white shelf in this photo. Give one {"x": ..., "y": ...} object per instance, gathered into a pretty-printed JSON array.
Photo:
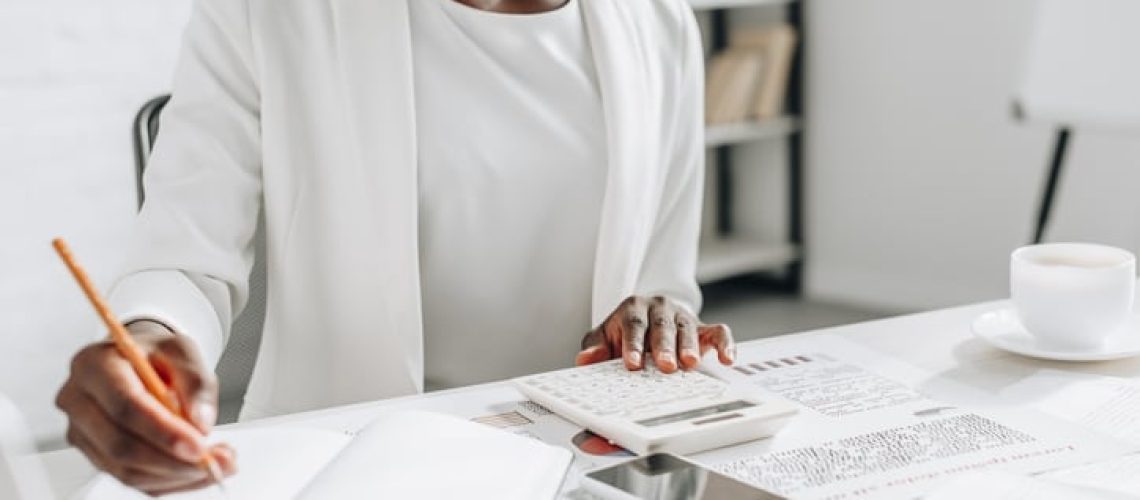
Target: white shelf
[
  {"x": 728, "y": 4},
  {"x": 727, "y": 257},
  {"x": 736, "y": 133}
]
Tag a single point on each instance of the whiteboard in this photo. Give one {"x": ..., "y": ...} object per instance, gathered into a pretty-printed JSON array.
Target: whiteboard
[{"x": 1083, "y": 65}]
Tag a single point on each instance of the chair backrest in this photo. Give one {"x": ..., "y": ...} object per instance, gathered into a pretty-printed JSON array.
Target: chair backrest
[
  {"x": 146, "y": 130},
  {"x": 236, "y": 365},
  {"x": 1081, "y": 70}
]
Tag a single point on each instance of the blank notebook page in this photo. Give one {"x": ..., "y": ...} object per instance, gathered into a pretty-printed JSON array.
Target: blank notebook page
[
  {"x": 401, "y": 455},
  {"x": 272, "y": 463},
  {"x": 428, "y": 455}
]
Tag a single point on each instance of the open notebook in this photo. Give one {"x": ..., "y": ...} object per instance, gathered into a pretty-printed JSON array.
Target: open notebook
[{"x": 410, "y": 454}]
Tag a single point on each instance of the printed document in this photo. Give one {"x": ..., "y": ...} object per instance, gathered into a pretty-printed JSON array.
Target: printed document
[
  {"x": 1108, "y": 405},
  {"x": 866, "y": 430}
]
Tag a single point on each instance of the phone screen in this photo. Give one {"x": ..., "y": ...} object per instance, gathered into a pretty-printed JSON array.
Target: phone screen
[{"x": 665, "y": 477}]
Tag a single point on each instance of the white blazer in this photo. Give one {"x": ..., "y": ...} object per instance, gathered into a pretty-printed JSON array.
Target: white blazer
[{"x": 304, "y": 109}]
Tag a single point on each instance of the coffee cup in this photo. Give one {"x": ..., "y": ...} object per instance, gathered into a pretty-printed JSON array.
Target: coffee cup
[{"x": 1072, "y": 296}]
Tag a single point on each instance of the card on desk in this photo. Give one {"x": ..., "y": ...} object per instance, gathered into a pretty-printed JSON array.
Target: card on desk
[{"x": 400, "y": 455}]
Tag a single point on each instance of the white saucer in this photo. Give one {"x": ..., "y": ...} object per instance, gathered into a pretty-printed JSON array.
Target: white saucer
[{"x": 1003, "y": 330}]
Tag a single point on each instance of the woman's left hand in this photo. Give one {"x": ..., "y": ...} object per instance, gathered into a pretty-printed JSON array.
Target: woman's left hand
[{"x": 675, "y": 338}]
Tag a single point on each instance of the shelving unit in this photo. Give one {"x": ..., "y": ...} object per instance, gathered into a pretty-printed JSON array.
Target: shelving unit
[
  {"x": 729, "y": 254},
  {"x": 725, "y": 258},
  {"x": 740, "y": 133}
]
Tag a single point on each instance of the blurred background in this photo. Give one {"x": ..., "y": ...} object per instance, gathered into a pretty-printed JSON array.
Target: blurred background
[{"x": 865, "y": 160}]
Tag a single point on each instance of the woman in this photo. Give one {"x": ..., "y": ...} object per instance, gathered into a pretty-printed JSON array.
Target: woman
[{"x": 470, "y": 183}]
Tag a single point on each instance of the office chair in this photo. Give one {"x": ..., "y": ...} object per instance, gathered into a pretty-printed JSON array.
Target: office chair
[
  {"x": 1081, "y": 73},
  {"x": 236, "y": 365}
]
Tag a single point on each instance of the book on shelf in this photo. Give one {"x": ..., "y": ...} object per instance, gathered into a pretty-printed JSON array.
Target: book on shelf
[
  {"x": 717, "y": 72},
  {"x": 734, "y": 75},
  {"x": 749, "y": 79},
  {"x": 777, "y": 46}
]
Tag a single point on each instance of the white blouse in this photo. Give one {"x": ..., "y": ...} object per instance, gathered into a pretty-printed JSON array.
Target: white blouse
[{"x": 512, "y": 173}]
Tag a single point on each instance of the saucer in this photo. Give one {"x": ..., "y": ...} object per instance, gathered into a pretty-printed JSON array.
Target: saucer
[{"x": 1002, "y": 329}]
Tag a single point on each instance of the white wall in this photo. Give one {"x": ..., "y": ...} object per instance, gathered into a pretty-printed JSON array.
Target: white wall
[
  {"x": 919, "y": 182},
  {"x": 73, "y": 73}
]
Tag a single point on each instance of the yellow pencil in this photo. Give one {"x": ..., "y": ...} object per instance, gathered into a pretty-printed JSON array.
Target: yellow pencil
[{"x": 130, "y": 350}]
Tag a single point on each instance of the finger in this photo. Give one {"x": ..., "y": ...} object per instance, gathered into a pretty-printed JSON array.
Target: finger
[
  {"x": 594, "y": 354},
  {"x": 222, "y": 454},
  {"x": 110, "y": 381},
  {"x": 157, "y": 485},
  {"x": 593, "y": 338},
  {"x": 186, "y": 487},
  {"x": 135, "y": 477},
  {"x": 595, "y": 348},
  {"x": 196, "y": 387},
  {"x": 663, "y": 334},
  {"x": 634, "y": 321},
  {"x": 613, "y": 333},
  {"x": 76, "y": 438},
  {"x": 718, "y": 336},
  {"x": 226, "y": 458},
  {"x": 129, "y": 451},
  {"x": 688, "y": 341}
]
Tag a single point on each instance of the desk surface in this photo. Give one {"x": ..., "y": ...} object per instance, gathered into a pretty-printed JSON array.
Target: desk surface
[{"x": 938, "y": 342}]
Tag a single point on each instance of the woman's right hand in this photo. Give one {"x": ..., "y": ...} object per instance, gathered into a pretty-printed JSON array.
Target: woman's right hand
[{"x": 127, "y": 432}]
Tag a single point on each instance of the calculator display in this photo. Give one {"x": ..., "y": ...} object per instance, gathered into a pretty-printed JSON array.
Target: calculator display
[{"x": 699, "y": 412}]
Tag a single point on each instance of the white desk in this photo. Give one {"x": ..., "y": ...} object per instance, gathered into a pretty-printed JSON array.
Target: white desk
[{"x": 939, "y": 342}]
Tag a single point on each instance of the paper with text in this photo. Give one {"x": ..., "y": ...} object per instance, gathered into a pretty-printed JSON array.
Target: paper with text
[
  {"x": 867, "y": 431},
  {"x": 1109, "y": 405},
  {"x": 1105, "y": 404}
]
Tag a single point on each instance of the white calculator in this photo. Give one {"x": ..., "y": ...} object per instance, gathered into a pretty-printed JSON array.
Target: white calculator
[{"x": 647, "y": 411}]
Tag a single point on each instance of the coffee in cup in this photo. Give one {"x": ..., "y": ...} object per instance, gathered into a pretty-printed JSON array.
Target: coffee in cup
[{"x": 1072, "y": 296}]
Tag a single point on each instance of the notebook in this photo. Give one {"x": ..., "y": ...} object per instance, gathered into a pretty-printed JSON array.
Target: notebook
[{"x": 411, "y": 454}]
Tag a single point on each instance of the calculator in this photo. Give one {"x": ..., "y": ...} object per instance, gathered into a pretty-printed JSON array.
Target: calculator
[{"x": 647, "y": 411}]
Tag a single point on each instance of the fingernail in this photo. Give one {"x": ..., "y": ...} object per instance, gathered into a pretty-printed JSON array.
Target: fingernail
[
  {"x": 690, "y": 354},
  {"x": 226, "y": 457},
  {"x": 732, "y": 354},
  {"x": 635, "y": 358},
  {"x": 205, "y": 416},
  {"x": 187, "y": 451}
]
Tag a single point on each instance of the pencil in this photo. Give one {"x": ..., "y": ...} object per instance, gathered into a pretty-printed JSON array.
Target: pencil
[{"x": 131, "y": 351}]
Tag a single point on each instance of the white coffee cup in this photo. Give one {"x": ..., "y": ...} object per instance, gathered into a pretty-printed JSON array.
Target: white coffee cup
[{"x": 1072, "y": 296}]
